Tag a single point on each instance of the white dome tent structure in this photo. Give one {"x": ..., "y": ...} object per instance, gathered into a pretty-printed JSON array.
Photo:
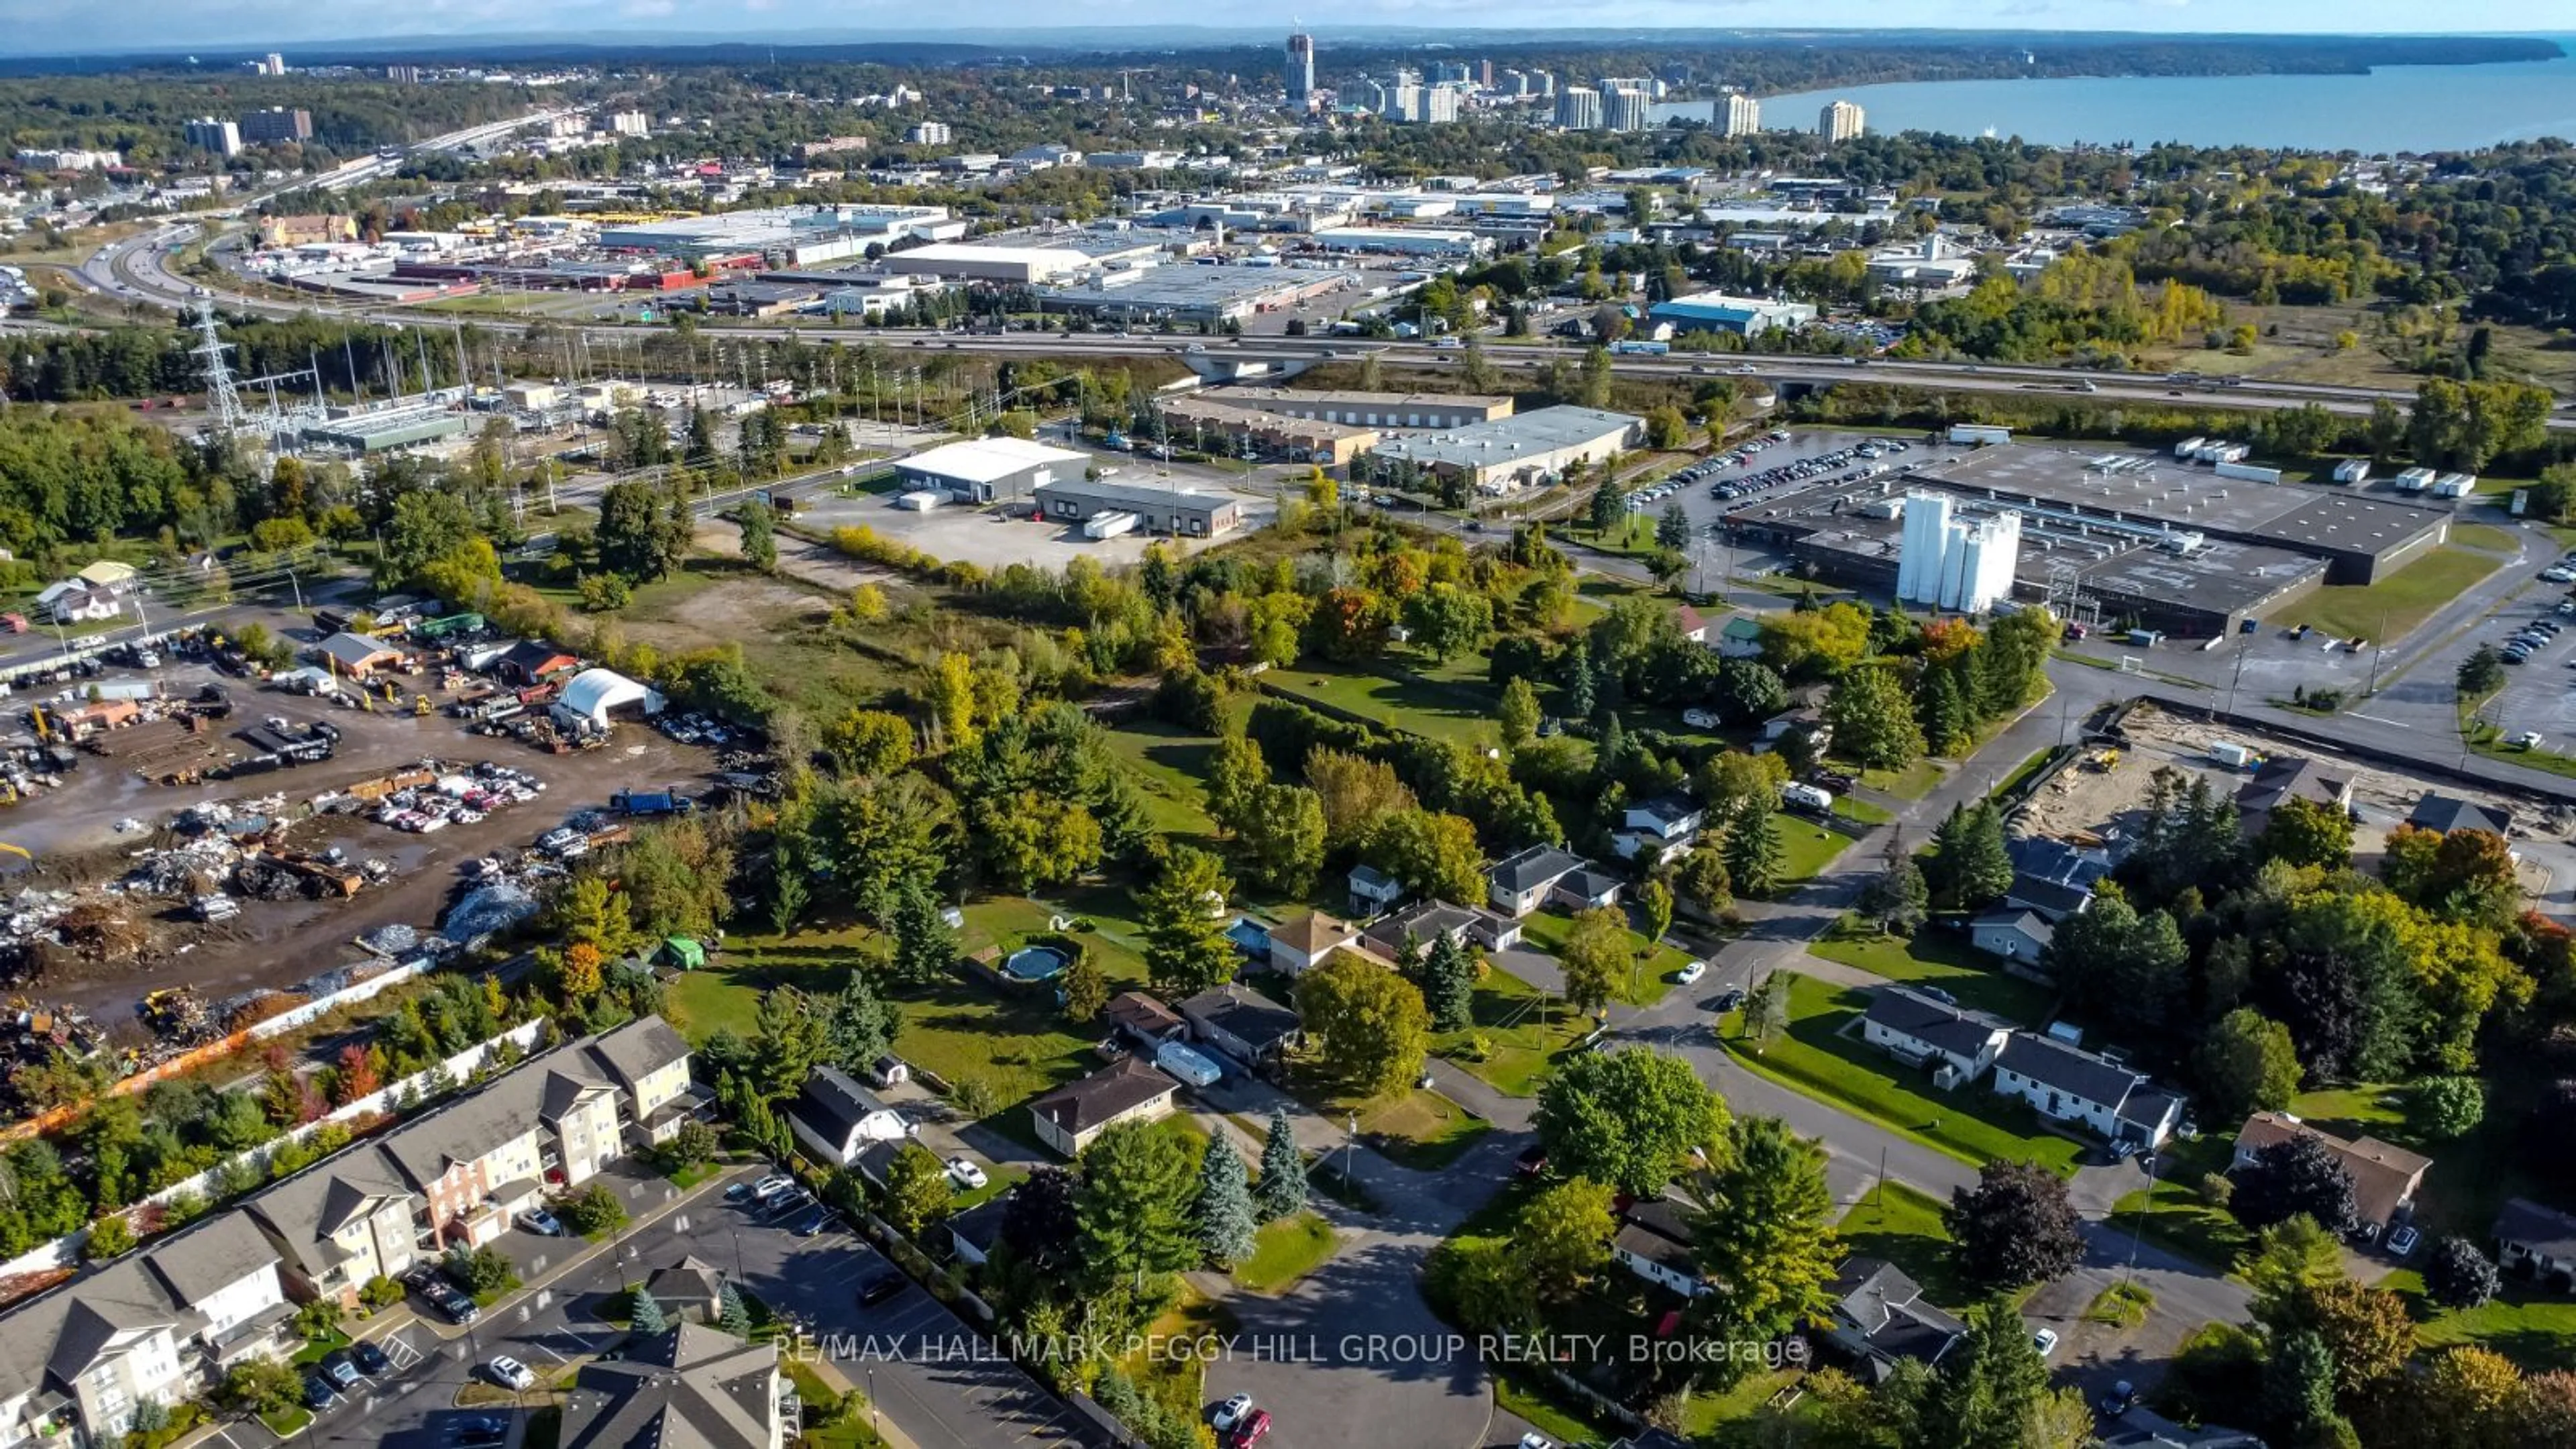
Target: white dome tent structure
[{"x": 601, "y": 696}]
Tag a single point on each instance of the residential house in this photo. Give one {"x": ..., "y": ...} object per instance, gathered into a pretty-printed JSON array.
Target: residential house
[
  {"x": 2073, "y": 1085},
  {"x": 1430, "y": 920},
  {"x": 2446, "y": 813},
  {"x": 479, "y": 1162},
  {"x": 2047, "y": 858},
  {"x": 73, "y": 602},
  {"x": 691, "y": 1288},
  {"x": 1071, "y": 1117},
  {"x": 340, "y": 1224},
  {"x": 1373, "y": 892},
  {"x": 835, "y": 1116},
  {"x": 162, "y": 1325},
  {"x": 972, "y": 1233},
  {"x": 1660, "y": 828},
  {"x": 1654, "y": 1242},
  {"x": 1806, "y": 719},
  {"x": 2052, "y": 901},
  {"x": 2536, "y": 1240},
  {"x": 1303, "y": 941},
  {"x": 1879, "y": 1319},
  {"x": 1145, "y": 1022},
  {"x": 1739, "y": 638},
  {"x": 691, "y": 1387},
  {"x": 2143, "y": 1428},
  {"x": 1918, "y": 1030},
  {"x": 1544, "y": 875},
  {"x": 2289, "y": 777},
  {"x": 108, "y": 573},
  {"x": 648, "y": 1063},
  {"x": 2384, "y": 1178},
  {"x": 2015, "y": 935},
  {"x": 1242, "y": 1023},
  {"x": 579, "y": 1110},
  {"x": 1692, "y": 624}
]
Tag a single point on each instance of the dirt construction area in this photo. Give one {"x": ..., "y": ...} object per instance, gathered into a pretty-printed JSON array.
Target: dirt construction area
[
  {"x": 102, "y": 822},
  {"x": 2101, "y": 796}
]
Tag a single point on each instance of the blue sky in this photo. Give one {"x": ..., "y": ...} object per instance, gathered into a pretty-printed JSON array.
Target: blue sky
[{"x": 232, "y": 25}]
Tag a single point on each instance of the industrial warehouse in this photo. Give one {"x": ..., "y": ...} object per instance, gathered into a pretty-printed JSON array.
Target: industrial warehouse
[
  {"x": 2148, "y": 537},
  {"x": 1373, "y": 409},
  {"x": 1265, "y": 434},
  {"x": 1107, "y": 507},
  {"x": 986, "y": 469},
  {"x": 1518, "y": 451}
]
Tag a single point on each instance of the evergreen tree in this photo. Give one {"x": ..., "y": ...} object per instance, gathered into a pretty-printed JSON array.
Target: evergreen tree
[
  {"x": 1282, "y": 1191},
  {"x": 1449, "y": 984},
  {"x": 861, "y": 1025},
  {"x": 1186, "y": 948},
  {"x": 1223, "y": 1215},
  {"x": 1580, "y": 697},
  {"x": 647, "y": 1316},
  {"x": 1946, "y": 726},
  {"x": 732, "y": 1314},
  {"x": 1754, "y": 854},
  {"x": 924, "y": 947},
  {"x": 1896, "y": 897},
  {"x": 1970, "y": 864}
]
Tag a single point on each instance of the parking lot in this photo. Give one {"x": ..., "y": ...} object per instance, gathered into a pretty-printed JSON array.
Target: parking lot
[{"x": 2540, "y": 682}]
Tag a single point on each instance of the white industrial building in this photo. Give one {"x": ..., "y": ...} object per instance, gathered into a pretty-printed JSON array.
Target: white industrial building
[
  {"x": 1410, "y": 241},
  {"x": 990, "y": 263},
  {"x": 983, "y": 470},
  {"x": 1955, "y": 563},
  {"x": 598, "y": 696}
]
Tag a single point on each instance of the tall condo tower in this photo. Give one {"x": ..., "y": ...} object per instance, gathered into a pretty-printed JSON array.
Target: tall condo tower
[{"x": 1301, "y": 71}]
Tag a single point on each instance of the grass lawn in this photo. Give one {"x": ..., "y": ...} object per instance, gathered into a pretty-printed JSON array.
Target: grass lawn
[
  {"x": 1974, "y": 1126},
  {"x": 693, "y": 1174},
  {"x": 1708, "y": 1415},
  {"x": 2122, "y": 1305},
  {"x": 1521, "y": 1033},
  {"x": 287, "y": 1422},
  {"x": 1414, "y": 1128},
  {"x": 1017, "y": 1042},
  {"x": 2174, "y": 1215},
  {"x": 1547, "y": 931},
  {"x": 314, "y": 1350},
  {"x": 1809, "y": 847},
  {"x": 1904, "y": 1227},
  {"x": 1168, "y": 764},
  {"x": 2529, "y": 1324},
  {"x": 1911, "y": 783},
  {"x": 1862, "y": 812},
  {"x": 1176, "y": 1380},
  {"x": 2486, "y": 536},
  {"x": 998, "y": 1179},
  {"x": 848, "y": 1426},
  {"x": 1934, "y": 957},
  {"x": 1442, "y": 709},
  {"x": 2392, "y": 607},
  {"x": 1286, "y": 1251},
  {"x": 2023, "y": 771}
]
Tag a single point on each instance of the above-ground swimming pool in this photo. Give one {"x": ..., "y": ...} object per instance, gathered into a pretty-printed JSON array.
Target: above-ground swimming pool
[{"x": 1036, "y": 963}]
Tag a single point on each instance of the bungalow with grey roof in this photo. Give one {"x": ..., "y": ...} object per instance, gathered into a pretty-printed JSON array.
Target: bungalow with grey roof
[
  {"x": 2069, "y": 1084},
  {"x": 1917, "y": 1030}
]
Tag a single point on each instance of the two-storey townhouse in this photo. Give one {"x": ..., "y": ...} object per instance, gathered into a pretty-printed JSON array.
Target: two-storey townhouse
[
  {"x": 157, "y": 1327},
  {"x": 649, "y": 1062},
  {"x": 579, "y": 1112},
  {"x": 340, "y": 1224},
  {"x": 477, "y": 1163}
]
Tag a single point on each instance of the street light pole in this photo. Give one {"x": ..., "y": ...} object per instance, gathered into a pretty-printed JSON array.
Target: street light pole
[{"x": 2138, "y": 1224}]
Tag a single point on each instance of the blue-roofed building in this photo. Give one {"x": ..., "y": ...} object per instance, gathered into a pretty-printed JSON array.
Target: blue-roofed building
[{"x": 1741, "y": 316}]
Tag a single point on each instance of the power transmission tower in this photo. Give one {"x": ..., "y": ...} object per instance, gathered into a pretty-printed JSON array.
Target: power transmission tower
[{"x": 221, "y": 395}]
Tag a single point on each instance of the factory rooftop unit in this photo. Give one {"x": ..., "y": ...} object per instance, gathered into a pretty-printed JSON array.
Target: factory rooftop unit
[
  {"x": 1373, "y": 409},
  {"x": 2361, "y": 539},
  {"x": 1514, "y": 452}
]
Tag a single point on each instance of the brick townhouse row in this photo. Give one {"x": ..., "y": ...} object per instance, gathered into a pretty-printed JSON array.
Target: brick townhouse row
[{"x": 165, "y": 1324}]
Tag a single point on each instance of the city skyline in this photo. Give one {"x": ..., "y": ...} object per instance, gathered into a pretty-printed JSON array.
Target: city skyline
[{"x": 48, "y": 29}]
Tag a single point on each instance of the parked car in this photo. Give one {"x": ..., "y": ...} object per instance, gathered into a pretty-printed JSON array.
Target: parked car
[
  {"x": 880, "y": 1288},
  {"x": 772, "y": 1185},
  {"x": 480, "y": 1432},
  {"x": 1691, "y": 974},
  {"x": 541, "y": 1222},
  {"x": 341, "y": 1369},
  {"x": 740, "y": 1191},
  {"x": 1251, "y": 1431},
  {"x": 318, "y": 1393},
  {"x": 370, "y": 1359},
  {"x": 1728, "y": 1000},
  {"x": 814, "y": 1222},
  {"x": 2401, "y": 1243},
  {"x": 963, "y": 1172},
  {"x": 1232, "y": 1412},
  {"x": 2045, "y": 1341},
  {"x": 509, "y": 1373}
]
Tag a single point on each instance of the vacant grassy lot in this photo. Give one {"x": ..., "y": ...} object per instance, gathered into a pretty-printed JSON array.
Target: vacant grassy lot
[
  {"x": 2392, "y": 607},
  {"x": 2531, "y": 1325},
  {"x": 1443, "y": 709},
  {"x": 1814, "y": 1057},
  {"x": 1937, "y": 958},
  {"x": 1904, "y": 1227},
  {"x": 2486, "y": 536},
  {"x": 1414, "y": 1128},
  {"x": 1810, "y": 847},
  {"x": 1911, "y": 783},
  {"x": 1286, "y": 1251},
  {"x": 1520, "y": 1031},
  {"x": 1168, "y": 764},
  {"x": 2174, "y": 1215}
]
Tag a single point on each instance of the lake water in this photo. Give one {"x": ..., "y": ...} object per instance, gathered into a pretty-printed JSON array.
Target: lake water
[{"x": 2400, "y": 108}]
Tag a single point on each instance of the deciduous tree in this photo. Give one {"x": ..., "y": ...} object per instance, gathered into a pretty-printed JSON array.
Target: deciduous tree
[
  {"x": 1763, "y": 1232},
  {"x": 2296, "y": 1176},
  {"x": 2016, "y": 1226},
  {"x": 2248, "y": 1063},
  {"x": 1632, "y": 1119},
  {"x": 1563, "y": 1237},
  {"x": 1371, "y": 1027},
  {"x": 1132, "y": 1217}
]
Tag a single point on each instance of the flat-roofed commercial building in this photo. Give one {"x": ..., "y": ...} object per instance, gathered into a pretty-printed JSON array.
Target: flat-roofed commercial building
[
  {"x": 986, "y": 469},
  {"x": 1371, "y": 409},
  {"x": 1518, "y": 451},
  {"x": 1307, "y": 440},
  {"x": 1186, "y": 512},
  {"x": 989, "y": 264}
]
